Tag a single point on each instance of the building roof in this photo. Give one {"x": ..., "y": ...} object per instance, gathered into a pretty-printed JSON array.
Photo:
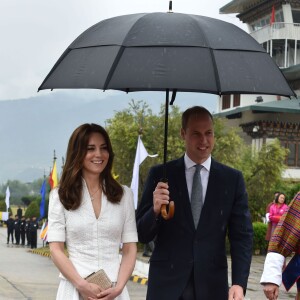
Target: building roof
[
  {"x": 292, "y": 73},
  {"x": 284, "y": 106},
  {"x": 238, "y": 6}
]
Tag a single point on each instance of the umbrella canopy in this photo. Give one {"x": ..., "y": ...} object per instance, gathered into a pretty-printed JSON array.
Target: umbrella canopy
[
  {"x": 160, "y": 51},
  {"x": 167, "y": 52}
]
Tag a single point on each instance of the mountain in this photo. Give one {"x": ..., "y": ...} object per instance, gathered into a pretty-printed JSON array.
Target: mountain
[{"x": 30, "y": 129}]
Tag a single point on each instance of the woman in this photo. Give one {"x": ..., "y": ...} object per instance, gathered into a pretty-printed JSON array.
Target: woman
[
  {"x": 284, "y": 242},
  {"x": 277, "y": 210},
  {"x": 269, "y": 228},
  {"x": 93, "y": 214}
]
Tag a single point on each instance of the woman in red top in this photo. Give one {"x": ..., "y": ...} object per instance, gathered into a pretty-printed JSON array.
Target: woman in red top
[{"x": 277, "y": 210}]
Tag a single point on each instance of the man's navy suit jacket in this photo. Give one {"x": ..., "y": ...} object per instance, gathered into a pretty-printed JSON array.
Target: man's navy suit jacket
[{"x": 181, "y": 249}]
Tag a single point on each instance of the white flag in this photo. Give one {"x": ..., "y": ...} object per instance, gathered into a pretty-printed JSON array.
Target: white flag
[
  {"x": 7, "y": 198},
  {"x": 140, "y": 156}
]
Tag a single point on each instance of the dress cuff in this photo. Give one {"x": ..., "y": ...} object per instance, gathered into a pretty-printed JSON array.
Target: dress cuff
[{"x": 273, "y": 269}]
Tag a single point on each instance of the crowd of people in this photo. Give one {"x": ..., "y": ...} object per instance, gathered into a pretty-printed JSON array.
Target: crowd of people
[
  {"x": 22, "y": 231},
  {"x": 189, "y": 259}
]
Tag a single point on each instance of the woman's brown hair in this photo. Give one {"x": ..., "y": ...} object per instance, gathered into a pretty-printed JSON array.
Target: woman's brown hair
[{"x": 70, "y": 184}]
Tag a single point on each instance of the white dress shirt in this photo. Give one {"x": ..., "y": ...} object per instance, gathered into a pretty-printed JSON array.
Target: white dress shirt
[
  {"x": 189, "y": 174},
  {"x": 272, "y": 272}
]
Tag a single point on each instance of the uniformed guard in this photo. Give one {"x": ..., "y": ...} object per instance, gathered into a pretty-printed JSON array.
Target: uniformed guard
[
  {"x": 33, "y": 232},
  {"x": 27, "y": 230},
  {"x": 10, "y": 228},
  {"x": 17, "y": 224},
  {"x": 22, "y": 230}
]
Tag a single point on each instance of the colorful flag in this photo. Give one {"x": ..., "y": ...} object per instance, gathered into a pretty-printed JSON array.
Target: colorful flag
[
  {"x": 272, "y": 19},
  {"x": 3, "y": 216},
  {"x": 7, "y": 198},
  {"x": 140, "y": 156},
  {"x": 53, "y": 176},
  {"x": 43, "y": 201},
  {"x": 44, "y": 231}
]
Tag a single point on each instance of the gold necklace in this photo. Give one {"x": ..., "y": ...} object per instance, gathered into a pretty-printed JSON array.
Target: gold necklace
[{"x": 92, "y": 195}]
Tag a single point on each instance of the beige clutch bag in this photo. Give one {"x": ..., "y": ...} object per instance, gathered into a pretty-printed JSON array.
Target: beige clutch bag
[{"x": 100, "y": 278}]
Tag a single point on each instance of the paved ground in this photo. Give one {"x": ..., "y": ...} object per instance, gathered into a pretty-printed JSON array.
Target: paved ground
[
  {"x": 254, "y": 291},
  {"x": 24, "y": 275},
  {"x": 28, "y": 276}
]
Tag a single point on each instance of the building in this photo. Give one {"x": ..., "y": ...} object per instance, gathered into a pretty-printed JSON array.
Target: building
[{"x": 275, "y": 24}]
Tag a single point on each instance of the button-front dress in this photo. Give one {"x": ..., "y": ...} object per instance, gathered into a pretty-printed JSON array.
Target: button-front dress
[{"x": 92, "y": 243}]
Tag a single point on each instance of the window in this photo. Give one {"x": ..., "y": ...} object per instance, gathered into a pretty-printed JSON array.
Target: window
[
  {"x": 225, "y": 101},
  {"x": 293, "y": 159},
  {"x": 279, "y": 16},
  {"x": 292, "y": 155},
  {"x": 296, "y": 16},
  {"x": 236, "y": 100}
]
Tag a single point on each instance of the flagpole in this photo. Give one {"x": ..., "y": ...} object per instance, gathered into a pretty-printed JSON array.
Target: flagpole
[
  {"x": 53, "y": 178},
  {"x": 54, "y": 156},
  {"x": 45, "y": 196}
]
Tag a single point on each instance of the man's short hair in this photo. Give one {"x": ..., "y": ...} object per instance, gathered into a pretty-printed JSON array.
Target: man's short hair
[{"x": 193, "y": 111}]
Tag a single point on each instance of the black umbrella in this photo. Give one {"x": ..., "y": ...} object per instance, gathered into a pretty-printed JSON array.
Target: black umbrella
[{"x": 167, "y": 52}]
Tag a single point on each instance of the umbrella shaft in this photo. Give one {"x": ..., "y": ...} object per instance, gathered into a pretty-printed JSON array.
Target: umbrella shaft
[{"x": 166, "y": 132}]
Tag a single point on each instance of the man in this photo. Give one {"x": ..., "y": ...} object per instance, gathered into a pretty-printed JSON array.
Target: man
[
  {"x": 189, "y": 259},
  {"x": 27, "y": 230},
  {"x": 19, "y": 212},
  {"x": 17, "y": 224},
  {"x": 33, "y": 228},
  {"x": 284, "y": 241},
  {"x": 10, "y": 228},
  {"x": 23, "y": 230}
]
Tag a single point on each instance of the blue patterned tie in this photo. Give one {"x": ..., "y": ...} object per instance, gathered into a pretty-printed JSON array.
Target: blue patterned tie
[{"x": 196, "y": 195}]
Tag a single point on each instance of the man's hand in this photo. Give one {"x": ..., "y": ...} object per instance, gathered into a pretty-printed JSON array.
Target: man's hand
[
  {"x": 271, "y": 291},
  {"x": 160, "y": 196},
  {"x": 236, "y": 293}
]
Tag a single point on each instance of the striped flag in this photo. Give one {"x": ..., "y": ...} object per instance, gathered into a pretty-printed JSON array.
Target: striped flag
[
  {"x": 44, "y": 231},
  {"x": 3, "y": 216},
  {"x": 53, "y": 176},
  {"x": 43, "y": 202}
]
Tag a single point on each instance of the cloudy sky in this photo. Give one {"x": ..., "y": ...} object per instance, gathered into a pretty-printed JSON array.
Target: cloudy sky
[{"x": 34, "y": 33}]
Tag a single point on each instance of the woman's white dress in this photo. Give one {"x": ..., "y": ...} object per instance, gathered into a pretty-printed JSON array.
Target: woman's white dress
[{"x": 92, "y": 243}]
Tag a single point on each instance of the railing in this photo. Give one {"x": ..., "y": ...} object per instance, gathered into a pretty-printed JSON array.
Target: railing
[{"x": 278, "y": 30}]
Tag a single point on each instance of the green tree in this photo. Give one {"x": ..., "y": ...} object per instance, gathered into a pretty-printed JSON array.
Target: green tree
[
  {"x": 2, "y": 205},
  {"x": 264, "y": 174},
  {"x": 229, "y": 146},
  {"x": 26, "y": 200},
  {"x": 33, "y": 210},
  {"x": 124, "y": 129},
  {"x": 289, "y": 188},
  {"x": 18, "y": 190},
  {"x": 262, "y": 170}
]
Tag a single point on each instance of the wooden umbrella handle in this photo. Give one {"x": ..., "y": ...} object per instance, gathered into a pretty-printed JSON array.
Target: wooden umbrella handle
[{"x": 167, "y": 215}]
